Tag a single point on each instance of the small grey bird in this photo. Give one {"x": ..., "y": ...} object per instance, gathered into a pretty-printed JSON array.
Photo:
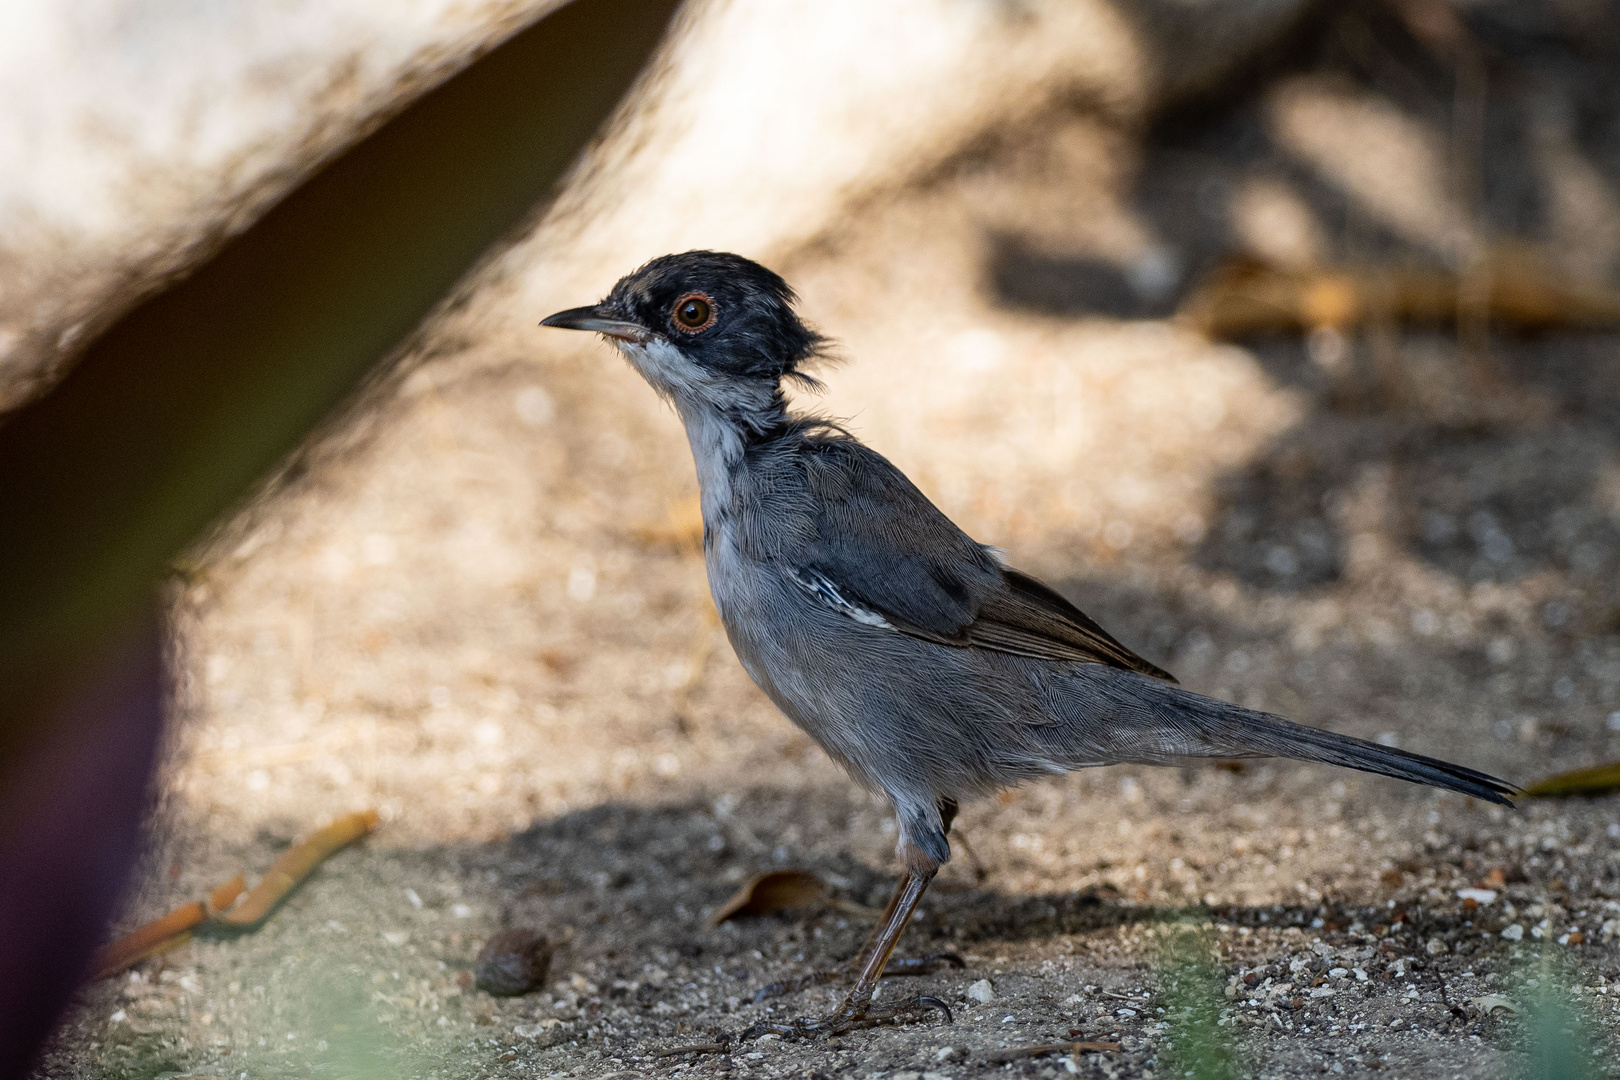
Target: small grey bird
[{"x": 927, "y": 667}]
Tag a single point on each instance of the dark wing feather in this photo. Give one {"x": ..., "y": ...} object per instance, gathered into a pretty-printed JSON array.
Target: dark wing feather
[
  {"x": 882, "y": 545},
  {"x": 1030, "y": 619}
]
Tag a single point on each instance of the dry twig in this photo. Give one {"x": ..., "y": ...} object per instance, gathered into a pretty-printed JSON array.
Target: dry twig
[
  {"x": 1243, "y": 298},
  {"x": 1004, "y": 1057},
  {"x": 695, "y": 1048},
  {"x": 296, "y": 864},
  {"x": 177, "y": 927}
]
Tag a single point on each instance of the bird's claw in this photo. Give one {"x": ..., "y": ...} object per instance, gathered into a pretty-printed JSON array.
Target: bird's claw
[
  {"x": 852, "y": 1016},
  {"x": 905, "y": 965}
]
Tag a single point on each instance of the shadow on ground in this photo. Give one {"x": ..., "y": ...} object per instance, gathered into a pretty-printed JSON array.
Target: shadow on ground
[{"x": 1487, "y": 468}]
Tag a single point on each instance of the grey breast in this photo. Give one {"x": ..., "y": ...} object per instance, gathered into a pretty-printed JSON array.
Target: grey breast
[{"x": 910, "y": 717}]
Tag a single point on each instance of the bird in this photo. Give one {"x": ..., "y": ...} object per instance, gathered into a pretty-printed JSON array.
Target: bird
[{"x": 920, "y": 660}]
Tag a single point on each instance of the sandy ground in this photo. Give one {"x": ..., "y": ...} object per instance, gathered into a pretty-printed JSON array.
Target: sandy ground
[{"x": 487, "y": 619}]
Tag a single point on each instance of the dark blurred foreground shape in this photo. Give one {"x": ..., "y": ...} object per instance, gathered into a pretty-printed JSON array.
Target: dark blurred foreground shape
[
  {"x": 70, "y": 825},
  {"x": 174, "y": 414}
]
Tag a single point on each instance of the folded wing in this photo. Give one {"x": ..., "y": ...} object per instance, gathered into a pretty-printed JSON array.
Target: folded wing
[{"x": 881, "y": 553}]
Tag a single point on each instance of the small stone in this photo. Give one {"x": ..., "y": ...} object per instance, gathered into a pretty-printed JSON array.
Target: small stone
[
  {"x": 1513, "y": 933},
  {"x": 513, "y": 962},
  {"x": 1436, "y": 947},
  {"x": 982, "y": 992}
]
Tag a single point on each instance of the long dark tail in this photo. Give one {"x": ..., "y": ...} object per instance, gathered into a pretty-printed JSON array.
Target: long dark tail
[
  {"x": 1120, "y": 716},
  {"x": 1277, "y": 737}
]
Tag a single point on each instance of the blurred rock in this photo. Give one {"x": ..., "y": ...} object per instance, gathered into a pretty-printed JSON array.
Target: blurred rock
[
  {"x": 513, "y": 962},
  {"x": 138, "y": 138}
]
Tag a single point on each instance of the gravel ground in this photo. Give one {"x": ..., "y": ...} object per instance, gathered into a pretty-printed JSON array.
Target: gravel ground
[{"x": 479, "y": 611}]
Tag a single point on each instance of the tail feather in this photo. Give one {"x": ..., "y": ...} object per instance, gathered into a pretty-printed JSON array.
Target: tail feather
[
  {"x": 1277, "y": 737},
  {"x": 1114, "y": 716}
]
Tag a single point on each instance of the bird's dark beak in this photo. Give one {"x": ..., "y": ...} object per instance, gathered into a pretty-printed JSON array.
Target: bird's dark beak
[{"x": 593, "y": 318}]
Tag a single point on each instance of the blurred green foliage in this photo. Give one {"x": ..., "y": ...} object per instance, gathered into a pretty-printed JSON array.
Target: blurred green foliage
[
  {"x": 1561, "y": 1041},
  {"x": 1196, "y": 1045}
]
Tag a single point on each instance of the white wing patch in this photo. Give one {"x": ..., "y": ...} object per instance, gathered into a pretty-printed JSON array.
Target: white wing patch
[{"x": 825, "y": 591}]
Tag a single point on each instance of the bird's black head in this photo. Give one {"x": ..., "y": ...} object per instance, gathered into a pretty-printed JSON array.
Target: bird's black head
[{"x": 704, "y": 326}]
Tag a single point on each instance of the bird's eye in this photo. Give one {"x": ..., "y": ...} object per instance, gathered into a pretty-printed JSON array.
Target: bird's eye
[{"x": 694, "y": 312}]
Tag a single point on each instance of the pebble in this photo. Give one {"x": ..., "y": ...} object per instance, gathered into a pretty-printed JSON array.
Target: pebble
[
  {"x": 513, "y": 962},
  {"x": 982, "y": 992}
]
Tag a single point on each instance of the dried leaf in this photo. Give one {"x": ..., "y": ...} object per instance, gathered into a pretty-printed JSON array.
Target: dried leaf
[
  {"x": 1596, "y": 780},
  {"x": 778, "y": 890}
]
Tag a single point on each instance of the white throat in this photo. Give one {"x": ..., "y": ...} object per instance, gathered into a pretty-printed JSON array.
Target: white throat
[
  {"x": 717, "y": 447},
  {"x": 707, "y": 404}
]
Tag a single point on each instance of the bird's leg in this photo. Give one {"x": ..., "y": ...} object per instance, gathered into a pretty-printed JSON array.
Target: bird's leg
[
  {"x": 900, "y": 965},
  {"x": 849, "y": 967},
  {"x": 858, "y": 1009}
]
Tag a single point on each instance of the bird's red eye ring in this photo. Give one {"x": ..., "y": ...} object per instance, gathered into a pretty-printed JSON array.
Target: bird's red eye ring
[{"x": 694, "y": 312}]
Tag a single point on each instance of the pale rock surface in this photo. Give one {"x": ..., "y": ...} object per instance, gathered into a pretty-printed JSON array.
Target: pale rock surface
[{"x": 138, "y": 136}]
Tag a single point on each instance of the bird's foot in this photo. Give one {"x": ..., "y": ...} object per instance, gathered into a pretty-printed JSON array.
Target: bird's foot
[
  {"x": 904, "y": 965},
  {"x": 851, "y": 1016}
]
